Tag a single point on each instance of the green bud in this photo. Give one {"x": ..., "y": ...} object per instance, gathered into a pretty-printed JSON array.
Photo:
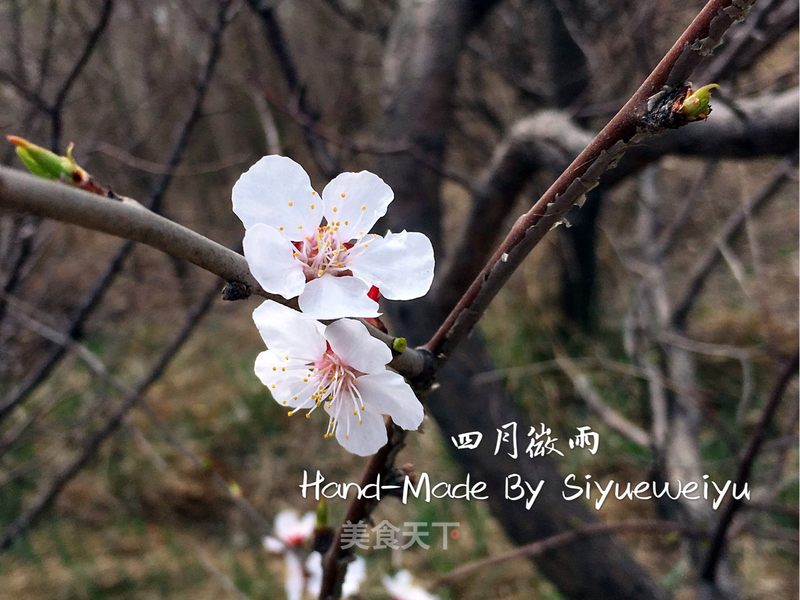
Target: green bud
[
  {"x": 399, "y": 344},
  {"x": 49, "y": 165},
  {"x": 322, "y": 514},
  {"x": 697, "y": 105}
]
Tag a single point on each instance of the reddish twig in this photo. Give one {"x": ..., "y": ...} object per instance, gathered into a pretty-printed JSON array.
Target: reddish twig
[
  {"x": 699, "y": 39},
  {"x": 336, "y": 559}
]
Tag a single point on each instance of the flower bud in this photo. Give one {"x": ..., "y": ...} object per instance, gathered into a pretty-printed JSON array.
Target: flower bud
[
  {"x": 49, "y": 165},
  {"x": 697, "y": 105},
  {"x": 322, "y": 514}
]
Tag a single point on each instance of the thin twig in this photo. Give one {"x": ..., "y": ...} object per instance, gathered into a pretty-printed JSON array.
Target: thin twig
[
  {"x": 613, "y": 419},
  {"x": 705, "y": 265},
  {"x": 702, "y": 35},
  {"x": 26, "y": 315},
  {"x": 562, "y": 539},
  {"x": 718, "y": 539},
  {"x": 103, "y": 283},
  {"x": 93, "y": 38},
  {"x": 276, "y": 40},
  {"x": 46, "y": 497},
  {"x": 336, "y": 559}
]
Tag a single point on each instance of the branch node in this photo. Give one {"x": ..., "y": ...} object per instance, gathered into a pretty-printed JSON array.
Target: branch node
[
  {"x": 236, "y": 290},
  {"x": 426, "y": 378}
]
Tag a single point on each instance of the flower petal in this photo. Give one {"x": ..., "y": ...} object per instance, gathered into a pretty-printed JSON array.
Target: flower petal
[
  {"x": 332, "y": 297},
  {"x": 351, "y": 342},
  {"x": 355, "y": 202},
  {"x": 354, "y": 577},
  {"x": 364, "y": 438},
  {"x": 291, "y": 528},
  {"x": 314, "y": 571},
  {"x": 400, "y": 264},
  {"x": 289, "y": 332},
  {"x": 288, "y": 381},
  {"x": 270, "y": 257},
  {"x": 295, "y": 578},
  {"x": 389, "y": 394},
  {"x": 273, "y": 544},
  {"x": 276, "y": 191},
  {"x": 402, "y": 586}
]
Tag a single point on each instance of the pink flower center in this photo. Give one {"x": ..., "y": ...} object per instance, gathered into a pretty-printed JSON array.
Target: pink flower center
[
  {"x": 323, "y": 253},
  {"x": 334, "y": 385}
]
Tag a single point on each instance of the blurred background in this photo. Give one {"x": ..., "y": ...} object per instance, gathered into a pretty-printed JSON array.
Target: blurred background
[{"x": 140, "y": 456}]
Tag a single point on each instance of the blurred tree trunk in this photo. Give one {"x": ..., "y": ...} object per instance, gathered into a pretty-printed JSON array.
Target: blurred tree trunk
[
  {"x": 419, "y": 77},
  {"x": 569, "y": 76}
]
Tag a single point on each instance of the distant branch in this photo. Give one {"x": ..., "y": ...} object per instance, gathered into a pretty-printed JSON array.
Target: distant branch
[
  {"x": 765, "y": 125},
  {"x": 716, "y": 550},
  {"x": 634, "y": 120},
  {"x": 613, "y": 419},
  {"x": 562, "y": 539},
  {"x": 704, "y": 266},
  {"x": 47, "y": 495}
]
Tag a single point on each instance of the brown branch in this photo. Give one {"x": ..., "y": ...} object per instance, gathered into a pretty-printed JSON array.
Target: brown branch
[
  {"x": 705, "y": 265},
  {"x": 90, "y": 204},
  {"x": 130, "y": 220},
  {"x": 760, "y": 126},
  {"x": 276, "y": 40},
  {"x": 562, "y": 539},
  {"x": 46, "y": 497},
  {"x": 613, "y": 419},
  {"x": 336, "y": 559},
  {"x": 545, "y": 141},
  {"x": 126, "y": 219},
  {"x": 56, "y": 107},
  {"x": 425, "y": 42},
  {"x": 26, "y": 315},
  {"x": 24, "y": 92},
  {"x": 763, "y": 30},
  {"x": 702, "y": 35},
  {"x": 718, "y": 539}
]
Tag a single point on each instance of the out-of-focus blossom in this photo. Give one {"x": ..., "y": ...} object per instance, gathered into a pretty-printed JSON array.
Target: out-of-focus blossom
[
  {"x": 355, "y": 576},
  {"x": 291, "y": 531},
  {"x": 402, "y": 587}
]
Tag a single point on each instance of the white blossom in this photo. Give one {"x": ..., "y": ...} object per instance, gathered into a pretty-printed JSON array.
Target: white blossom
[
  {"x": 402, "y": 587},
  {"x": 319, "y": 248},
  {"x": 354, "y": 577},
  {"x": 340, "y": 368},
  {"x": 291, "y": 531}
]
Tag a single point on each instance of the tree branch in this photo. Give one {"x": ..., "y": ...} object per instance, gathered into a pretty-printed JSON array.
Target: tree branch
[
  {"x": 716, "y": 550},
  {"x": 704, "y": 266},
  {"x": 46, "y": 497},
  {"x": 126, "y": 219},
  {"x": 88, "y": 49},
  {"x": 700, "y": 38},
  {"x": 765, "y": 125},
  {"x": 613, "y": 419},
  {"x": 562, "y": 539},
  {"x": 130, "y": 220},
  {"x": 154, "y": 201}
]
